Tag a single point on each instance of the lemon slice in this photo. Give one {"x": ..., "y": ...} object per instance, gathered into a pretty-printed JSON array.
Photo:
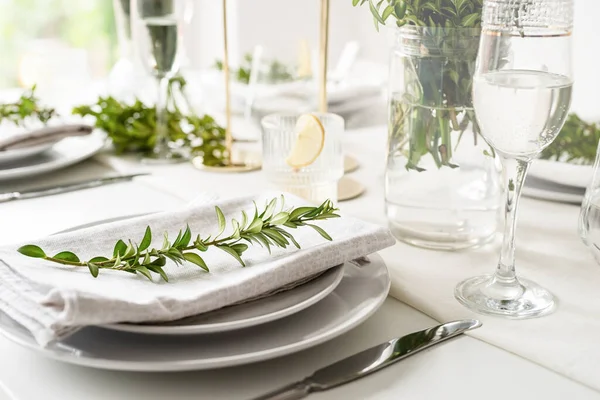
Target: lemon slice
[{"x": 310, "y": 140}]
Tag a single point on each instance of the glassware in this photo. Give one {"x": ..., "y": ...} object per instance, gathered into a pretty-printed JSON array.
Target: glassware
[
  {"x": 521, "y": 94},
  {"x": 442, "y": 191},
  {"x": 156, "y": 31},
  {"x": 589, "y": 217},
  {"x": 315, "y": 182}
]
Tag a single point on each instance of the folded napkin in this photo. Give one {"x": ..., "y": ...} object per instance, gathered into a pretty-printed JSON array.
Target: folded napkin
[
  {"x": 48, "y": 134},
  {"x": 53, "y": 301}
]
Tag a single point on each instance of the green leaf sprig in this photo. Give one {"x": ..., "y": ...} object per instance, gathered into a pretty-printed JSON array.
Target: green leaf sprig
[
  {"x": 27, "y": 106},
  {"x": 277, "y": 71},
  {"x": 576, "y": 142},
  {"x": 265, "y": 229},
  {"x": 132, "y": 127}
]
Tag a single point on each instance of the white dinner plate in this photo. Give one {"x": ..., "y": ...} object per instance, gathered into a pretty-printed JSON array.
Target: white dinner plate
[
  {"x": 361, "y": 292},
  {"x": 562, "y": 173},
  {"x": 11, "y": 156},
  {"x": 248, "y": 314},
  {"x": 545, "y": 190},
  {"x": 65, "y": 153}
]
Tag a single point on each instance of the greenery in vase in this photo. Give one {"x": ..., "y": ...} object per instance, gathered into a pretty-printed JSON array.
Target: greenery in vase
[
  {"x": 277, "y": 71},
  {"x": 265, "y": 228},
  {"x": 131, "y": 127},
  {"x": 436, "y": 99},
  {"x": 27, "y": 106}
]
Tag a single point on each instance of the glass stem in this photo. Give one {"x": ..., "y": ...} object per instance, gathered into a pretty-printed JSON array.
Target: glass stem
[
  {"x": 161, "y": 146},
  {"x": 514, "y": 172}
]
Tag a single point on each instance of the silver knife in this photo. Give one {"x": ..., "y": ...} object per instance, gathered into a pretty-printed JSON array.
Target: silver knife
[
  {"x": 371, "y": 360},
  {"x": 71, "y": 187}
]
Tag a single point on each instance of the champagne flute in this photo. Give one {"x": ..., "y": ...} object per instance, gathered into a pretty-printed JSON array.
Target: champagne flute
[
  {"x": 521, "y": 94},
  {"x": 156, "y": 31}
]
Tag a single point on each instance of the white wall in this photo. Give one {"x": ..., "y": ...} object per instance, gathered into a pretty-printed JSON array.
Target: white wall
[{"x": 279, "y": 24}]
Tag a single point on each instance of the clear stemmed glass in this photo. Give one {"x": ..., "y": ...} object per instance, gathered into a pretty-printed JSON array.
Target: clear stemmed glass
[
  {"x": 521, "y": 94},
  {"x": 157, "y": 27}
]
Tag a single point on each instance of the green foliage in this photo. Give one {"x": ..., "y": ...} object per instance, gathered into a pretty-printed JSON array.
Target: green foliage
[
  {"x": 576, "y": 142},
  {"x": 131, "y": 127},
  {"x": 25, "y": 107},
  {"x": 277, "y": 72},
  {"x": 265, "y": 230}
]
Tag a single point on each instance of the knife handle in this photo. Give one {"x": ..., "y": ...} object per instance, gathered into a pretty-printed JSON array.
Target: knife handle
[{"x": 294, "y": 391}]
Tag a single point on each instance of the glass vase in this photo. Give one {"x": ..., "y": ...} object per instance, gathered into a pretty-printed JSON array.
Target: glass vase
[{"x": 442, "y": 185}]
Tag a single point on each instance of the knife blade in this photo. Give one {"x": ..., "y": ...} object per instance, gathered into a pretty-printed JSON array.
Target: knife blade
[
  {"x": 71, "y": 187},
  {"x": 371, "y": 360}
]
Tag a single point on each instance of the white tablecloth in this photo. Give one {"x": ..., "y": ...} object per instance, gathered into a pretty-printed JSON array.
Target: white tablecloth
[{"x": 548, "y": 251}]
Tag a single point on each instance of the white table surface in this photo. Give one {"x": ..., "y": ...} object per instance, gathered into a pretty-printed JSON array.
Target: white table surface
[{"x": 464, "y": 368}]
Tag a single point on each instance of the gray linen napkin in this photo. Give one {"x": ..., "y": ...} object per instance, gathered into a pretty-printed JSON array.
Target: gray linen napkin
[{"x": 53, "y": 301}]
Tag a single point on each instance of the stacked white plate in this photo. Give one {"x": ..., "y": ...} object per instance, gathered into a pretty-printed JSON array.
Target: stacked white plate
[
  {"x": 276, "y": 324},
  {"x": 558, "y": 181},
  {"x": 35, "y": 160}
]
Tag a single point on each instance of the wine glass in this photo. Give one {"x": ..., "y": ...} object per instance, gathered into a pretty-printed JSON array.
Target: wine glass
[
  {"x": 521, "y": 94},
  {"x": 157, "y": 27}
]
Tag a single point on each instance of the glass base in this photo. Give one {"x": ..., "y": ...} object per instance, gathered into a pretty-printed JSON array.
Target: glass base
[
  {"x": 170, "y": 157},
  {"x": 519, "y": 300},
  {"x": 443, "y": 240}
]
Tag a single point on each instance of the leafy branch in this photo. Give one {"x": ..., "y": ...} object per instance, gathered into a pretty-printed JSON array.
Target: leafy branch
[
  {"x": 576, "y": 142},
  {"x": 265, "y": 229},
  {"x": 26, "y": 106},
  {"x": 276, "y": 71},
  {"x": 132, "y": 127}
]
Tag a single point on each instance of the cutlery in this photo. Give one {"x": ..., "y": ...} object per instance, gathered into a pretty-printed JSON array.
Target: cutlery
[
  {"x": 71, "y": 187},
  {"x": 370, "y": 360},
  {"x": 49, "y": 134}
]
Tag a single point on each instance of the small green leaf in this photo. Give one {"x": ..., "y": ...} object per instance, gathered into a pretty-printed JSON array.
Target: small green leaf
[
  {"x": 144, "y": 271},
  {"x": 300, "y": 212},
  {"x": 244, "y": 220},
  {"x": 387, "y": 12},
  {"x": 31, "y": 250},
  {"x": 196, "y": 259},
  {"x": 269, "y": 210},
  {"x": 290, "y": 237},
  {"x": 255, "y": 226},
  {"x": 375, "y": 13},
  {"x": 160, "y": 261},
  {"x": 276, "y": 237},
  {"x": 239, "y": 248},
  {"x": 262, "y": 239},
  {"x": 470, "y": 20},
  {"x": 166, "y": 243},
  {"x": 98, "y": 259},
  {"x": 221, "y": 220},
  {"x": 94, "y": 269},
  {"x": 233, "y": 253},
  {"x": 355, "y": 2},
  {"x": 400, "y": 9},
  {"x": 158, "y": 270},
  {"x": 177, "y": 239},
  {"x": 185, "y": 239},
  {"x": 145, "y": 243},
  {"x": 67, "y": 256},
  {"x": 280, "y": 218},
  {"x": 236, "y": 229},
  {"x": 120, "y": 248},
  {"x": 290, "y": 224},
  {"x": 321, "y": 231},
  {"x": 130, "y": 250}
]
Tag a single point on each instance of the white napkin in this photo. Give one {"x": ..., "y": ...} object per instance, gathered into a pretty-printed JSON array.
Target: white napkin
[{"x": 52, "y": 301}]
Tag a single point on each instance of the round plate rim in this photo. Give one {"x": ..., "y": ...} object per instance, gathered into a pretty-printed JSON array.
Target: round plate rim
[
  {"x": 97, "y": 138},
  {"x": 229, "y": 361},
  {"x": 239, "y": 324},
  {"x": 23, "y": 153}
]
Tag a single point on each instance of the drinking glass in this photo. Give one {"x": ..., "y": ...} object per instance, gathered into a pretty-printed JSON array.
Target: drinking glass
[
  {"x": 521, "y": 94},
  {"x": 315, "y": 182},
  {"x": 589, "y": 216},
  {"x": 156, "y": 32}
]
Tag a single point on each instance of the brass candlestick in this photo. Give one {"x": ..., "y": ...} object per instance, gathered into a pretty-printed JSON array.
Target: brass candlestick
[
  {"x": 230, "y": 165},
  {"x": 324, "y": 44}
]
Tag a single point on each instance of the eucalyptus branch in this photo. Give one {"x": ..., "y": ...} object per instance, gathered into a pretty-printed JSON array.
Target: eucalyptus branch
[{"x": 265, "y": 229}]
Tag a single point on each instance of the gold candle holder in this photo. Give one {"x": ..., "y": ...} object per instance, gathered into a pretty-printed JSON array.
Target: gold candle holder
[
  {"x": 230, "y": 165},
  {"x": 323, "y": 49}
]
